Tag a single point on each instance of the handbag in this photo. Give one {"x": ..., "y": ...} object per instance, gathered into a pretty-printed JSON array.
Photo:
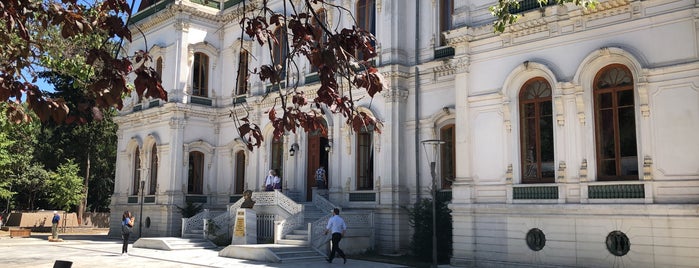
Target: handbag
[{"x": 125, "y": 229}]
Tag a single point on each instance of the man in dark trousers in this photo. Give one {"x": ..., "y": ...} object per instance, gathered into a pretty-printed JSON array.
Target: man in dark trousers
[{"x": 336, "y": 226}]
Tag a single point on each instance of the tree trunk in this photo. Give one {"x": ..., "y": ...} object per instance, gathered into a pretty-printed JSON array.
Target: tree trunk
[{"x": 83, "y": 202}]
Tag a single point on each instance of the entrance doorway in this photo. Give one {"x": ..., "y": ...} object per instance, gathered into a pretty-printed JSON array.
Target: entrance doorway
[{"x": 317, "y": 156}]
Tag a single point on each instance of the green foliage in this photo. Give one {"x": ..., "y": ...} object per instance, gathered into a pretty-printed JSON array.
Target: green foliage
[
  {"x": 190, "y": 209},
  {"x": 65, "y": 186},
  {"x": 421, "y": 221},
  {"x": 504, "y": 17}
]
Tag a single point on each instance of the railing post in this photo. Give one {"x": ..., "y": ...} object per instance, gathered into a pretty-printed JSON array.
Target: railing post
[
  {"x": 184, "y": 226},
  {"x": 310, "y": 234}
]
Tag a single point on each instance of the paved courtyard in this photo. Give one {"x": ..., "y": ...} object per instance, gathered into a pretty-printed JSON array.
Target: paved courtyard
[{"x": 96, "y": 250}]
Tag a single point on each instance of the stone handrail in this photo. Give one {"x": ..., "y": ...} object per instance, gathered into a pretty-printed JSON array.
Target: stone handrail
[
  {"x": 222, "y": 221},
  {"x": 315, "y": 229},
  {"x": 195, "y": 222},
  {"x": 288, "y": 225},
  {"x": 287, "y": 204}
]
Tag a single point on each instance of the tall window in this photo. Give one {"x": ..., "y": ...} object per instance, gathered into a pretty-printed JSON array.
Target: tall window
[
  {"x": 136, "y": 171},
  {"x": 318, "y": 33},
  {"x": 278, "y": 156},
  {"x": 446, "y": 9},
  {"x": 200, "y": 72},
  {"x": 615, "y": 124},
  {"x": 365, "y": 160},
  {"x": 153, "y": 170},
  {"x": 447, "y": 156},
  {"x": 366, "y": 18},
  {"x": 536, "y": 132},
  {"x": 242, "y": 87},
  {"x": 195, "y": 180},
  {"x": 279, "y": 50},
  {"x": 239, "y": 172},
  {"x": 159, "y": 67}
]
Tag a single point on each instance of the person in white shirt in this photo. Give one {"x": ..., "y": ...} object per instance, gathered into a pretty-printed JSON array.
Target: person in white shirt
[
  {"x": 269, "y": 181},
  {"x": 336, "y": 226}
]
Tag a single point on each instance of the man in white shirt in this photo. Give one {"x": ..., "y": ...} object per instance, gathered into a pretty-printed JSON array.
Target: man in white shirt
[{"x": 336, "y": 226}]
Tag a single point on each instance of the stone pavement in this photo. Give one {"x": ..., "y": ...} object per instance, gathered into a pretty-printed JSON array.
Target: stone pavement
[{"x": 97, "y": 250}]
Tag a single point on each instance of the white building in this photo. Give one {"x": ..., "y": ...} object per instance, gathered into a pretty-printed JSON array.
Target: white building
[{"x": 571, "y": 137}]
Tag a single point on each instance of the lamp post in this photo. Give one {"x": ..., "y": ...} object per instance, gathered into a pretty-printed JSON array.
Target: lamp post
[
  {"x": 433, "y": 145},
  {"x": 140, "y": 215}
]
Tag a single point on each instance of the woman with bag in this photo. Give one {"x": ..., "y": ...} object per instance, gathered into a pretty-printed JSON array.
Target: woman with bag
[{"x": 127, "y": 221}]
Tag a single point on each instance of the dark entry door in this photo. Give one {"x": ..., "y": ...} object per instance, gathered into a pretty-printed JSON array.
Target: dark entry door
[{"x": 317, "y": 156}]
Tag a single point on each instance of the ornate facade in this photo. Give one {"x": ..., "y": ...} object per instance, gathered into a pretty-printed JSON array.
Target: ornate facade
[{"x": 570, "y": 137}]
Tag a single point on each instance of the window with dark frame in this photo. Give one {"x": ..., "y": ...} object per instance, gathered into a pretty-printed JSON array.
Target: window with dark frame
[
  {"x": 365, "y": 160},
  {"x": 239, "y": 172},
  {"x": 153, "y": 170},
  {"x": 200, "y": 72},
  {"x": 447, "y": 156},
  {"x": 159, "y": 67},
  {"x": 615, "y": 124},
  {"x": 136, "y": 171},
  {"x": 536, "y": 132},
  {"x": 195, "y": 180},
  {"x": 366, "y": 19},
  {"x": 242, "y": 86},
  {"x": 279, "y": 50},
  {"x": 319, "y": 34},
  {"x": 277, "y": 157},
  {"x": 446, "y": 10}
]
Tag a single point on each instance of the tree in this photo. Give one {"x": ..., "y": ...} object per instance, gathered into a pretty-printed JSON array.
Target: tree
[
  {"x": 29, "y": 33},
  {"x": 65, "y": 186},
  {"x": 503, "y": 10}
]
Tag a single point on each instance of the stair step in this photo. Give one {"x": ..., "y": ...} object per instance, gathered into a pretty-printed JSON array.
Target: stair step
[
  {"x": 293, "y": 242},
  {"x": 296, "y": 237},
  {"x": 300, "y": 232}
]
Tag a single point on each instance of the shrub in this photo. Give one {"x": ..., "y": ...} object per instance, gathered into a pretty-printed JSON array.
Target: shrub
[{"x": 421, "y": 221}]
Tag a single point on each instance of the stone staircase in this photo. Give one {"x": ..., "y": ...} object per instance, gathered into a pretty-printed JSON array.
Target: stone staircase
[{"x": 299, "y": 237}]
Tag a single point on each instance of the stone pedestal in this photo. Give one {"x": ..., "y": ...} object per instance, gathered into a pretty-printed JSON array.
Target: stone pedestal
[{"x": 245, "y": 227}]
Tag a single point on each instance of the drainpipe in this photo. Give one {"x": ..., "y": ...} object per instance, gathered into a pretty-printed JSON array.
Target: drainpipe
[{"x": 417, "y": 99}]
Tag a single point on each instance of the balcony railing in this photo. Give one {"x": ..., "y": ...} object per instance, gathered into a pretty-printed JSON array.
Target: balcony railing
[
  {"x": 535, "y": 192},
  {"x": 527, "y": 5},
  {"x": 151, "y": 10},
  {"x": 444, "y": 52}
]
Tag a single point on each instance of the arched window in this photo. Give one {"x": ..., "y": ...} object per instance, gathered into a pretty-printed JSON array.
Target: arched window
[
  {"x": 239, "y": 172},
  {"x": 136, "y": 171},
  {"x": 615, "y": 124},
  {"x": 365, "y": 159},
  {"x": 447, "y": 155},
  {"x": 242, "y": 87},
  {"x": 536, "y": 132},
  {"x": 279, "y": 50},
  {"x": 195, "y": 180},
  {"x": 200, "y": 75},
  {"x": 446, "y": 9},
  {"x": 319, "y": 35},
  {"x": 153, "y": 170},
  {"x": 277, "y": 156}
]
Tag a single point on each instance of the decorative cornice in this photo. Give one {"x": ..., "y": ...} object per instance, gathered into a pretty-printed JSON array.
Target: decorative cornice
[{"x": 395, "y": 95}]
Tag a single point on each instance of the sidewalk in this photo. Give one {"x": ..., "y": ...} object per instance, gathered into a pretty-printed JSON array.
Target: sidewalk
[{"x": 97, "y": 250}]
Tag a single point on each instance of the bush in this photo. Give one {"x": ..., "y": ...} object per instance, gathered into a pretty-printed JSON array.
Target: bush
[
  {"x": 421, "y": 221},
  {"x": 190, "y": 209}
]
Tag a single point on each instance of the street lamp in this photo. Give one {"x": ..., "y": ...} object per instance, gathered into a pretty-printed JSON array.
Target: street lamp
[
  {"x": 433, "y": 147},
  {"x": 140, "y": 216}
]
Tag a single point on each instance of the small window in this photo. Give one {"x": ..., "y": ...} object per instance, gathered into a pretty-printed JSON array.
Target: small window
[
  {"x": 159, "y": 67},
  {"x": 278, "y": 156},
  {"x": 200, "y": 72},
  {"x": 366, "y": 19},
  {"x": 195, "y": 180}
]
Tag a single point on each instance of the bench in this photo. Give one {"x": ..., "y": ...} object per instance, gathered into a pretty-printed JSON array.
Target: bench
[{"x": 20, "y": 232}]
